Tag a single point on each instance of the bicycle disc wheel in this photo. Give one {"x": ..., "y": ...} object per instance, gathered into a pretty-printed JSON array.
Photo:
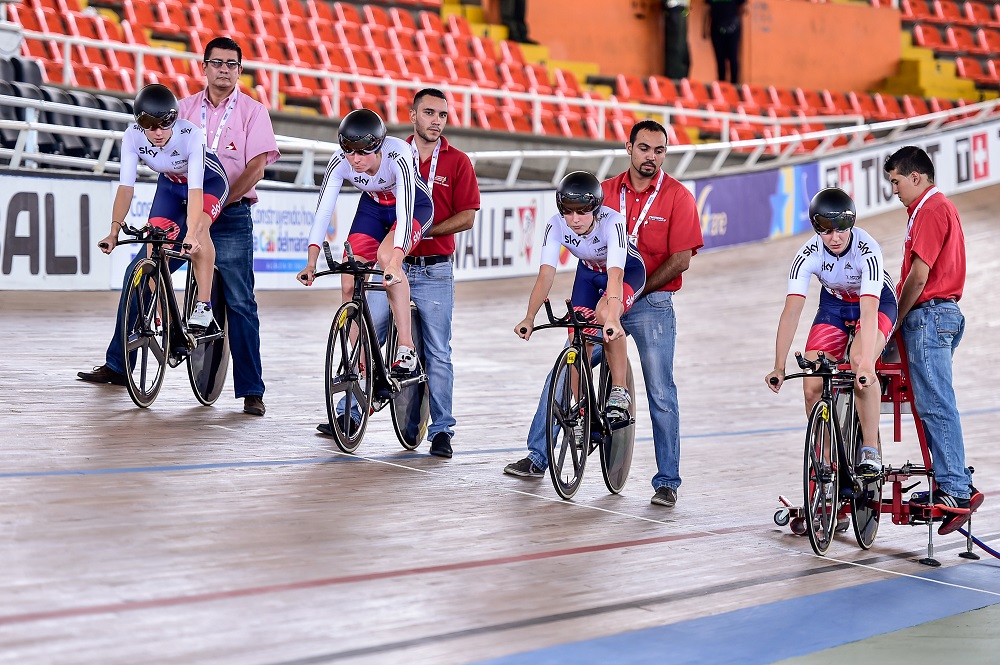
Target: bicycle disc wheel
[
  {"x": 208, "y": 362},
  {"x": 568, "y": 422},
  {"x": 411, "y": 407},
  {"x": 616, "y": 449},
  {"x": 146, "y": 333},
  {"x": 820, "y": 481},
  {"x": 866, "y": 503},
  {"x": 347, "y": 377}
]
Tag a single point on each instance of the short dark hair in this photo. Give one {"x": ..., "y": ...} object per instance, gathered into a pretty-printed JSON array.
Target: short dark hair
[
  {"x": 225, "y": 44},
  {"x": 647, "y": 125},
  {"x": 910, "y": 159},
  {"x": 427, "y": 92}
]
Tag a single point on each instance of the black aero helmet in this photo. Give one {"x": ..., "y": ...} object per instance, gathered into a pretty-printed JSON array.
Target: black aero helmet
[
  {"x": 361, "y": 131},
  {"x": 579, "y": 192},
  {"x": 155, "y": 107},
  {"x": 832, "y": 210}
]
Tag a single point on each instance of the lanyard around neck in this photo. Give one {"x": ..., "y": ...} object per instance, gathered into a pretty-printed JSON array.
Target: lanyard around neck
[
  {"x": 222, "y": 123},
  {"x": 923, "y": 199},
  {"x": 640, "y": 221},
  {"x": 434, "y": 163}
]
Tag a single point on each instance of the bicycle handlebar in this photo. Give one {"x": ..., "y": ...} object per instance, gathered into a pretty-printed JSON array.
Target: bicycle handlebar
[
  {"x": 572, "y": 319},
  {"x": 819, "y": 368},
  {"x": 350, "y": 266},
  {"x": 149, "y": 235}
]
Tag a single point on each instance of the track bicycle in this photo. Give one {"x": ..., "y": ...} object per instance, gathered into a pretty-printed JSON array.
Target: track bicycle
[
  {"x": 576, "y": 422},
  {"x": 357, "y": 369},
  {"x": 154, "y": 328},
  {"x": 831, "y": 488}
]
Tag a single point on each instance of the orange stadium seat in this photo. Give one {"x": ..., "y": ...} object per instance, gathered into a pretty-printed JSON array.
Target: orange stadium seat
[
  {"x": 972, "y": 68},
  {"x": 539, "y": 77},
  {"x": 915, "y": 106},
  {"x": 458, "y": 25},
  {"x": 840, "y": 104},
  {"x": 402, "y": 20},
  {"x": 889, "y": 105},
  {"x": 980, "y": 14},
  {"x": 431, "y": 22},
  {"x": 952, "y": 12},
  {"x": 755, "y": 95},
  {"x": 376, "y": 39},
  {"x": 321, "y": 10},
  {"x": 662, "y": 90},
  {"x": 404, "y": 42},
  {"x": 296, "y": 8},
  {"x": 459, "y": 46},
  {"x": 930, "y": 37},
  {"x": 989, "y": 41},
  {"x": 566, "y": 82},
  {"x": 377, "y": 17},
  {"x": 485, "y": 49},
  {"x": 464, "y": 73},
  {"x": 782, "y": 98},
  {"x": 439, "y": 69},
  {"x": 347, "y": 13},
  {"x": 510, "y": 52},
  {"x": 697, "y": 92},
  {"x": 430, "y": 43},
  {"x": 630, "y": 88},
  {"x": 415, "y": 66},
  {"x": 514, "y": 78},
  {"x": 964, "y": 41},
  {"x": 810, "y": 101},
  {"x": 917, "y": 10},
  {"x": 487, "y": 75}
]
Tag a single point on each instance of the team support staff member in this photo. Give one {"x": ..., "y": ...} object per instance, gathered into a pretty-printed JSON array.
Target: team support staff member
[
  {"x": 238, "y": 129},
  {"x": 455, "y": 191},
  {"x": 855, "y": 289},
  {"x": 931, "y": 283},
  {"x": 662, "y": 220}
]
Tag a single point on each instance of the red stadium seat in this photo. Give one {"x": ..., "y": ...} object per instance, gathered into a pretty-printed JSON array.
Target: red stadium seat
[
  {"x": 930, "y": 37},
  {"x": 980, "y": 14},
  {"x": 989, "y": 41},
  {"x": 889, "y": 106},
  {"x": 972, "y": 68},
  {"x": 631, "y": 88},
  {"x": 431, "y": 22},
  {"x": 539, "y": 77},
  {"x": 347, "y": 13},
  {"x": 510, "y": 52},
  {"x": 662, "y": 90},
  {"x": 402, "y": 20},
  {"x": 964, "y": 41},
  {"x": 915, "y": 106}
]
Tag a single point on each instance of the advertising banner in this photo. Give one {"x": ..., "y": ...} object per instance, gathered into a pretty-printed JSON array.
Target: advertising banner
[{"x": 50, "y": 226}]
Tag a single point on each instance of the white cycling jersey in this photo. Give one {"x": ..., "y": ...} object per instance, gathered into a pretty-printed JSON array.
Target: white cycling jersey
[
  {"x": 606, "y": 246},
  {"x": 182, "y": 158},
  {"x": 857, "y": 271},
  {"x": 395, "y": 183}
]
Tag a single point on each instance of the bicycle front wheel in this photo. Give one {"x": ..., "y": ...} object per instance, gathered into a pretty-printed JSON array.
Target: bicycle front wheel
[
  {"x": 820, "y": 480},
  {"x": 568, "y": 421},
  {"x": 348, "y": 379},
  {"x": 145, "y": 333}
]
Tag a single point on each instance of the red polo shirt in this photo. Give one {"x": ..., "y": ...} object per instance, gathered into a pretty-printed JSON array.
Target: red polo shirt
[
  {"x": 671, "y": 224},
  {"x": 455, "y": 189},
  {"x": 936, "y": 237}
]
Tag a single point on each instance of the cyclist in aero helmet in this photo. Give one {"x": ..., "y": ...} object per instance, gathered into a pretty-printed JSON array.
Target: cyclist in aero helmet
[
  {"x": 395, "y": 212},
  {"x": 174, "y": 148},
  {"x": 856, "y": 289},
  {"x": 609, "y": 276}
]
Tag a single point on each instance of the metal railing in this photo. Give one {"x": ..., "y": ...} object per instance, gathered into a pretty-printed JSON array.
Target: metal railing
[
  {"x": 305, "y": 159},
  {"x": 601, "y": 111}
]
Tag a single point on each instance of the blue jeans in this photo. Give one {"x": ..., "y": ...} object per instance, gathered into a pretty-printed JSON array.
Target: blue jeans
[
  {"x": 432, "y": 290},
  {"x": 931, "y": 335},
  {"x": 653, "y": 328},
  {"x": 232, "y": 235}
]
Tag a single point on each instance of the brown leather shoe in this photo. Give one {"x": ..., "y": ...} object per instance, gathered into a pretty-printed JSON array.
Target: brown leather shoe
[
  {"x": 103, "y": 374},
  {"x": 254, "y": 405}
]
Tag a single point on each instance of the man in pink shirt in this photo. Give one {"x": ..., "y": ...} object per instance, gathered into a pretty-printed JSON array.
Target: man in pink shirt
[{"x": 238, "y": 130}]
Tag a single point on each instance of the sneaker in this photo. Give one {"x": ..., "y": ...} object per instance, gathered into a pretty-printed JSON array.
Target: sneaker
[
  {"x": 976, "y": 499},
  {"x": 665, "y": 496},
  {"x": 405, "y": 365},
  {"x": 619, "y": 402},
  {"x": 524, "y": 469},
  {"x": 103, "y": 374},
  {"x": 441, "y": 445},
  {"x": 870, "y": 465},
  {"x": 201, "y": 317}
]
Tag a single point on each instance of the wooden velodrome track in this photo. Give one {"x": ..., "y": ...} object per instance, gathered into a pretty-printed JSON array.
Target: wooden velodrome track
[{"x": 185, "y": 534}]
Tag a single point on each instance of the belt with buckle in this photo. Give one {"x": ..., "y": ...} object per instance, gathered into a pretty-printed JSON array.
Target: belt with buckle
[
  {"x": 244, "y": 201},
  {"x": 932, "y": 302},
  {"x": 426, "y": 260}
]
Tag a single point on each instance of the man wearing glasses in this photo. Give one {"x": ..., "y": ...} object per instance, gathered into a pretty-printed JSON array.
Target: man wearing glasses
[
  {"x": 238, "y": 131},
  {"x": 856, "y": 289}
]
